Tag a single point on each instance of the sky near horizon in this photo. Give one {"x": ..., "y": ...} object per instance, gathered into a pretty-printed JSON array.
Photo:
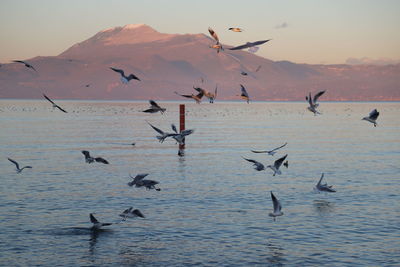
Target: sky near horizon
[{"x": 306, "y": 31}]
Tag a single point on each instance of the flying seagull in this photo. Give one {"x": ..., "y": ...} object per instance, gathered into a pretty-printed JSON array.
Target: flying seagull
[
  {"x": 154, "y": 107},
  {"x": 211, "y": 96},
  {"x": 236, "y": 29},
  {"x": 196, "y": 98},
  {"x": 125, "y": 79},
  {"x": 90, "y": 159},
  {"x": 26, "y": 64},
  {"x": 217, "y": 45},
  {"x": 54, "y": 104},
  {"x": 139, "y": 181},
  {"x": 269, "y": 152},
  {"x": 96, "y": 224},
  {"x": 276, "y": 165},
  {"x": 373, "y": 115},
  {"x": 277, "y": 207},
  {"x": 257, "y": 165},
  {"x": 324, "y": 187},
  {"x": 249, "y": 44},
  {"x": 19, "y": 170},
  {"x": 163, "y": 135},
  {"x": 180, "y": 137},
  {"x": 131, "y": 213},
  {"x": 244, "y": 95},
  {"x": 313, "y": 102}
]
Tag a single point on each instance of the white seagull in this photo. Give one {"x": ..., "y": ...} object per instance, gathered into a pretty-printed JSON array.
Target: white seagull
[
  {"x": 313, "y": 102},
  {"x": 125, "y": 79},
  {"x": 244, "y": 95},
  {"x": 372, "y": 117},
  {"x": 236, "y": 29},
  {"x": 139, "y": 181},
  {"x": 324, "y": 187},
  {"x": 276, "y": 165},
  {"x": 277, "y": 207},
  {"x": 211, "y": 96},
  {"x": 163, "y": 135},
  {"x": 90, "y": 159},
  {"x": 19, "y": 170},
  {"x": 217, "y": 45},
  {"x": 131, "y": 213},
  {"x": 249, "y": 44},
  {"x": 257, "y": 165},
  {"x": 269, "y": 152}
]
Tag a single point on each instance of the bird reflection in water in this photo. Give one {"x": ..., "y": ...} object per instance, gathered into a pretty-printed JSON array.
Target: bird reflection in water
[
  {"x": 323, "y": 206},
  {"x": 276, "y": 255}
]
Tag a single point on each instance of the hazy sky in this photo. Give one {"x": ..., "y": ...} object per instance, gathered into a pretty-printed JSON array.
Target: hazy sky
[{"x": 303, "y": 31}]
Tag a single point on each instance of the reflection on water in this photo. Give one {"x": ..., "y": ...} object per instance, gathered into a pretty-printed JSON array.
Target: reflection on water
[{"x": 213, "y": 209}]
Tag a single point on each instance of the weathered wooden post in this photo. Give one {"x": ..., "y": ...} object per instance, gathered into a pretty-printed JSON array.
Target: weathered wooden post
[{"x": 181, "y": 127}]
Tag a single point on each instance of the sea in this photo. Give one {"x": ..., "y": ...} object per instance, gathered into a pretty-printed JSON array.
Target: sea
[{"x": 213, "y": 206}]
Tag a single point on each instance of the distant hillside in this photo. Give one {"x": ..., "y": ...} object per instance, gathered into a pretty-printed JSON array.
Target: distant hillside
[{"x": 175, "y": 62}]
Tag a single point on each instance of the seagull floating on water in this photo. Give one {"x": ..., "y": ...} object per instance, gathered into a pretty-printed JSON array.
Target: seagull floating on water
[
  {"x": 257, "y": 165},
  {"x": 154, "y": 108},
  {"x": 25, "y": 63},
  {"x": 90, "y": 159},
  {"x": 96, "y": 224},
  {"x": 217, "y": 45},
  {"x": 54, "y": 104},
  {"x": 131, "y": 213},
  {"x": 18, "y": 169},
  {"x": 236, "y": 29},
  {"x": 372, "y": 117},
  {"x": 277, "y": 207},
  {"x": 249, "y": 44},
  {"x": 269, "y": 152},
  {"x": 313, "y": 102},
  {"x": 277, "y": 165},
  {"x": 324, "y": 187},
  {"x": 125, "y": 79},
  {"x": 139, "y": 181}
]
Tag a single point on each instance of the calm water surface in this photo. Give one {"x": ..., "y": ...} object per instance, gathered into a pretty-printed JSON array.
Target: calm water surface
[{"x": 213, "y": 207}]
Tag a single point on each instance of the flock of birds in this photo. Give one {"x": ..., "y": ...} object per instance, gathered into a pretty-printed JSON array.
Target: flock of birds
[{"x": 179, "y": 136}]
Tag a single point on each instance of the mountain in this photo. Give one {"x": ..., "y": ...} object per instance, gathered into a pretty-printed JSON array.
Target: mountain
[{"x": 175, "y": 62}]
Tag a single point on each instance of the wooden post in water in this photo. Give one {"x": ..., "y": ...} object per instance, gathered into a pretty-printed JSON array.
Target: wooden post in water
[{"x": 181, "y": 127}]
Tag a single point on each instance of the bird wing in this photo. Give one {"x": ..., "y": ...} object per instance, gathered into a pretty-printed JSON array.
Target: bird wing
[
  {"x": 244, "y": 92},
  {"x": 99, "y": 159},
  {"x": 258, "y": 68},
  {"x": 154, "y": 104},
  {"x": 213, "y": 34},
  {"x": 317, "y": 96},
  {"x": 51, "y": 101},
  {"x": 13, "y": 161},
  {"x": 246, "y": 45},
  {"x": 275, "y": 201},
  {"x": 63, "y": 110},
  {"x": 374, "y": 114},
  {"x": 118, "y": 70},
  {"x": 86, "y": 153},
  {"x": 309, "y": 99},
  {"x": 187, "y": 132},
  {"x": 278, "y": 147},
  {"x": 215, "y": 91},
  {"x": 138, "y": 213},
  {"x": 174, "y": 128},
  {"x": 19, "y": 61},
  {"x": 255, "y": 162},
  {"x": 132, "y": 76},
  {"x": 259, "y": 151},
  {"x": 139, "y": 177},
  {"x": 200, "y": 95},
  {"x": 320, "y": 180},
  {"x": 198, "y": 89},
  {"x": 278, "y": 162},
  {"x": 187, "y": 96},
  {"x": 93, "y": 219},
  {"x": 156, "y": 129},
  {"x": 259, "y": 42}
]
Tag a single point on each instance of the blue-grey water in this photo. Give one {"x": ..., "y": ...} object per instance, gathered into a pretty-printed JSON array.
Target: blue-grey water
[{"x": 213, "y": 207}]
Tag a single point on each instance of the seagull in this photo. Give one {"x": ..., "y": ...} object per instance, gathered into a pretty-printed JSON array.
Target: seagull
[
  {"x": 209, "y": 95},
  {"x": 96, "y": 224},
  {"x": 249, "y": 44},
  {"x": 217, "y": 45},
  {"x": 324, "y": 187},
  {"x": 180, "y": 137},
  {"x": 26, "y": 64},
  {"x": 125, "y": 79},
  {"x": 131, "y": 213},
  {"x": 54, "y": 104},
  {"x": 163, "y": 135},
  {"x": 269, "y": 152},
  {"x": 154, "y": 108},
  {"x": 258, "y": 165},
  {"x": 277, "y": 207},
  {"x": 196, "y": 98},
  {"x": 139, "y": 181},
  {"x": 236, "y": 29},
  {"x": 90, "y": 159},
  {"x": 17, "y": 166},
  {"x": 373, "y": 115},
  {"x": 313, "y": 102},
  {"x": 244, "y": 95},
  {"x": 277, "y": 164}
]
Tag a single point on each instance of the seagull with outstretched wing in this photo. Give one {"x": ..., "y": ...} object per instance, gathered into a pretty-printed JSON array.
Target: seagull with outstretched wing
[
  {"x": 26, "y": 64},
  {"x": 257, "y": 165},
  {"x": 17, "y": 168},
  {"x": 154, "y": 107},
  {"x": 125, "y": 79},
  {"x": 269, "y": 152},
  {"x": 372, "y": 117},
  {"x": 54, "y": 104},
  {"x": 277, "y": 207},
  {"x": 277, "y": 165},
  {"x": 249, "y": 44}
]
